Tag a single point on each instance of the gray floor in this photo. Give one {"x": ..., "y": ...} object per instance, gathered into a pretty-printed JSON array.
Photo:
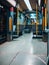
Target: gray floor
[{"x": 23, "y": 51}]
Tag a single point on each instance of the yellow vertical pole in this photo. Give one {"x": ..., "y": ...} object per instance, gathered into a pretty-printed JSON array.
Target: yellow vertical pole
[
  {"x": 36, "y": 19},
  {"x": 43, "y": 23},
  {"x": 43, "y": 19},
  {"x": 10, "y": 24},
  {"x": 45, "y": 14},
  {"x": 17, "y": 22}
]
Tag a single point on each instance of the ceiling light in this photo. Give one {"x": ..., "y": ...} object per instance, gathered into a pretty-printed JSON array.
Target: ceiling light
[
  {"x": 33, "y": 15},
  {"x": 28, "y": 4},
  {"x": 39, "y": 2},
  {"x": 12, "y": 2}
]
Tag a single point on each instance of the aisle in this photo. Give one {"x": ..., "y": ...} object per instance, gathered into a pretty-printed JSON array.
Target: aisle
[{"x": 23, "y": 51}]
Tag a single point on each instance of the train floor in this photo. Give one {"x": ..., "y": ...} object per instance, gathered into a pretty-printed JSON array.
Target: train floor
[{"x": 24, "y": 51}]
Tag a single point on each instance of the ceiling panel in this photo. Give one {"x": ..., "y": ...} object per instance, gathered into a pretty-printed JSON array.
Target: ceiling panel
[
  {"x": 33, "y": 3},
  {"x": 22, "y": 4}
]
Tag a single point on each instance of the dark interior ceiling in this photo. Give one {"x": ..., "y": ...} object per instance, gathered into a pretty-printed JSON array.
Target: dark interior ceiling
[
  {"x": 33, "y": 5},
  {"x": 32, "y": 2},
  {"x": 22, "y": 4},
  {"x": 5, "y": 3}
]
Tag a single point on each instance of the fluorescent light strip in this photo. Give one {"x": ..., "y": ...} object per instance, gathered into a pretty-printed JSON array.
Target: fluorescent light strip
[
  {"x": 12, "y": 2},
  {"x": 28, "y": 4},
  {"x": 39, "y": 1}
]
